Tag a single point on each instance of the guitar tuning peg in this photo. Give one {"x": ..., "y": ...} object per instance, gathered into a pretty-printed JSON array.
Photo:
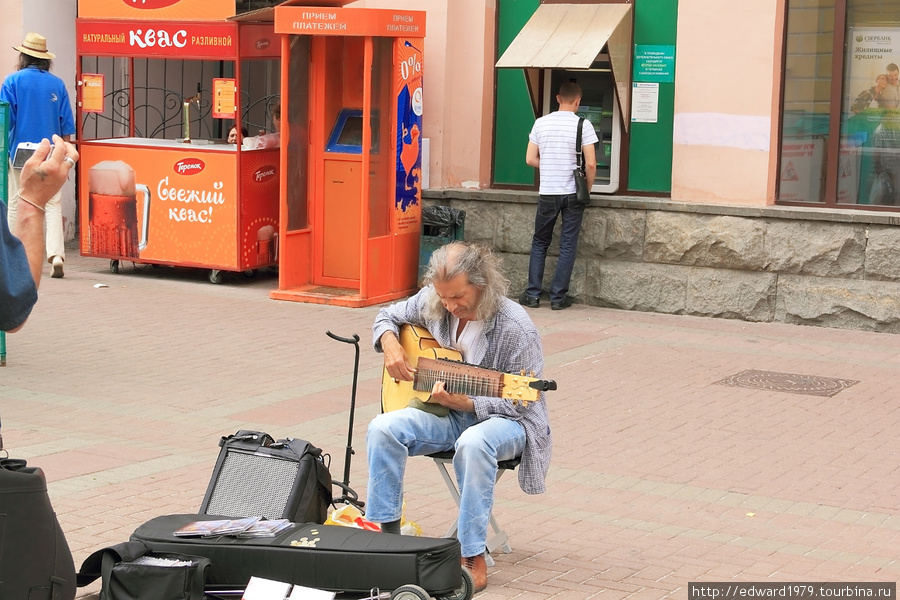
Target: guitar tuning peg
[
  {"x": 522, "y": 372},
  {"x": 532, "y": 374}
]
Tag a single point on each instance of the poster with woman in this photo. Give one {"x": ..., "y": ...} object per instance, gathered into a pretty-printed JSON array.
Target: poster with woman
[{"x": 871, "y": 131}]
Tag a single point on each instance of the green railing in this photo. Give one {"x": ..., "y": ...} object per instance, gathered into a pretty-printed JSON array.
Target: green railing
[{"x": 4, "y": 128}]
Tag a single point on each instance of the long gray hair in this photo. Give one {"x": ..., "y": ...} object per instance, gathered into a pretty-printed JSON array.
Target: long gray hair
[{"x": 481, "y": 267}]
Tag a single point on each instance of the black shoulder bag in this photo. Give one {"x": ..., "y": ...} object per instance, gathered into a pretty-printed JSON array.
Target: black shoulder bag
[
  {"x": 126, "y": 574},
  {"x": 582, "y": 193}
]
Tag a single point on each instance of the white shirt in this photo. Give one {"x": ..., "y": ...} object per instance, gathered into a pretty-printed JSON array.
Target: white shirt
[
  {"x": 555, "y": 135},
  {"x": 468, "y": 339}
]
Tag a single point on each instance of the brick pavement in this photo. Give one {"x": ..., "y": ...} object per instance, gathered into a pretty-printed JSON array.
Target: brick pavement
[{"x": 660, "y": 475}]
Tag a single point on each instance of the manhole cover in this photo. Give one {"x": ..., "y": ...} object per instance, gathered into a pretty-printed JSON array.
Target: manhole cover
[{"x": 792, "y": 383}]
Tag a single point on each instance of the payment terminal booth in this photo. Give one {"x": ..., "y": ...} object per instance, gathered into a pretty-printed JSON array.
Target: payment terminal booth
[
  {"x": 160, "y": 85},
  {"x": 590, "y": 44},
  {"x": 351, "y": 152}
]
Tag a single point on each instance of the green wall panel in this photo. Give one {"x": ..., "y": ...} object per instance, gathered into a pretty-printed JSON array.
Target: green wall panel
[
  {"x": 514, "y": 113},
  {"x": 650, "y": 151}
]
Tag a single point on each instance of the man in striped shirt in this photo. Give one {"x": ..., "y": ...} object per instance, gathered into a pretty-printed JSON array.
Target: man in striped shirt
[{"x": 551, "y": 148}]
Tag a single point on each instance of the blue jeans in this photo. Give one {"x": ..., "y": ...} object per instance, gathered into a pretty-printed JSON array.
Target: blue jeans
[
  {"x": 396, "y": 435},
  {"x": 549, "y": 208}
]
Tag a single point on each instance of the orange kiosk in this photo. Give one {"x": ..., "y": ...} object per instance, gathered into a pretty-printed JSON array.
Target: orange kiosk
[
  {"x": 351, "y": 153},
  {"x": 160, "y": 84}
]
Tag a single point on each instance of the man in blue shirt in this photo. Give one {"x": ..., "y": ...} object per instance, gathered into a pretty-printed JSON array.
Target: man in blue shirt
[
  {"x": 21, "y": 258},
  {"x": 39, "y": 108}
]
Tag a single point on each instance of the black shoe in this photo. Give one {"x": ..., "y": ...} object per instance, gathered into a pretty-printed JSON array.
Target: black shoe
[
  {"x": 564, "y": 303},
  {"x": 529, "y": 301}
]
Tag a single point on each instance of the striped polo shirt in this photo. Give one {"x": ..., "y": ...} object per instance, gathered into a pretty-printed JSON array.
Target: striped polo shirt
[{"x": 555, "y": 135}]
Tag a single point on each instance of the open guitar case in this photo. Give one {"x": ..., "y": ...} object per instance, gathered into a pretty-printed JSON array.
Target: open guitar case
[{"x": 329, "y": 557}]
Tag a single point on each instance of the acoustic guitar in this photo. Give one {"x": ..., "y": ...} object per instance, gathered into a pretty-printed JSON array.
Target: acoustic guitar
[{"x": 434, "y": 363}]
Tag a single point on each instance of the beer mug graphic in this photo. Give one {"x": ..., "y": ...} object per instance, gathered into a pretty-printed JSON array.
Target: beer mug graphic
[
  {"x": 266, "y": 245},
  {"x": 113, "y": 213}
]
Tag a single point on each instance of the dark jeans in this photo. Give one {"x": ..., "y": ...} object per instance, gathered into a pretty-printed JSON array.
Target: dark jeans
[{"x": 549, "y": 208}]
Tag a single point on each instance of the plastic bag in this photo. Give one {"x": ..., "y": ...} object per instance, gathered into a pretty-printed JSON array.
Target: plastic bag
[
  {"x": 442, "y": 221},
  {"x": 350, "y": 516}
]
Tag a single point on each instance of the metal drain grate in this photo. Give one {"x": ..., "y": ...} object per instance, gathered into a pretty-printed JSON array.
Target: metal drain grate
[{"x": 792, "y": 383}]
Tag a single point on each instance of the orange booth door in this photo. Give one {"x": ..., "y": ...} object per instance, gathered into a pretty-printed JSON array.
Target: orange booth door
[{"x": 342, "y": 219}]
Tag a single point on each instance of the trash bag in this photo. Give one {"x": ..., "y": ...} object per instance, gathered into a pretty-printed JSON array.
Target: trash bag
[{"x": 443, "y": 221}]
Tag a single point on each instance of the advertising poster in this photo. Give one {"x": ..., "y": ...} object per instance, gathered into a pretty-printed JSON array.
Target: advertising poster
[
  {"x": 92, "y": 93},
  {"x": 159, "y": 205},
  {"x": 869, "y": 138},
  {"x": 870, "y": 51},
  {"x": 407, "y": 202},
  {"x": 801, "y": 169},
  {"x": 223, "y": 98}
]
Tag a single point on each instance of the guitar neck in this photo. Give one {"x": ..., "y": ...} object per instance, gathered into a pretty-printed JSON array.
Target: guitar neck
[
  {"x": 434, "y": 363},
  {"x": 457, "y": 383}
]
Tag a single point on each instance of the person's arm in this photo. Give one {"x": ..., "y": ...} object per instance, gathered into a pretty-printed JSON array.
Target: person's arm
[
  {"x": 42, "y": 177},
  {"x": 396, "y": 362},
  {"x": 18, "y": 294},
  {"x": 590, "y": 163},
  {"x": 386, "y": 329},
  {"x": 532, "y": 155},
  {"x": 460, "y": 402}
]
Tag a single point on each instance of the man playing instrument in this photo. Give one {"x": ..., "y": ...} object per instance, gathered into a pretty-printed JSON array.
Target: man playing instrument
[{"x": 464, "y": 307}]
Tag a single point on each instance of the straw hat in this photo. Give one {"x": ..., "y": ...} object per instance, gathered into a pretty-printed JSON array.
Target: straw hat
[{"x": 35, "y": 45}]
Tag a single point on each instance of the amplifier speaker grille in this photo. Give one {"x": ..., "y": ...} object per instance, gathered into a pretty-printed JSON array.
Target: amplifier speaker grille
[{"x": 252, "y": 485}]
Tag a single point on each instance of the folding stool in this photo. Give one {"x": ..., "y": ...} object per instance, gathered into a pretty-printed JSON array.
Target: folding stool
[{"x": 499, "y": 540}]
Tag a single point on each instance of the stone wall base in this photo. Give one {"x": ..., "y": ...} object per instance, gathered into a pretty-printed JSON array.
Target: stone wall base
[{"x": 808, "y": 266}]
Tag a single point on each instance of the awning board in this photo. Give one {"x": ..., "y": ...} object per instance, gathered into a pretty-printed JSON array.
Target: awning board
[
  {"x": 565, "y": 36},
  {"x": 571, "y": 36}
]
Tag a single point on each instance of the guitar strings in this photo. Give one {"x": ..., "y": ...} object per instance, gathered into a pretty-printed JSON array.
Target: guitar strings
[{"x": 456, "y": 383}]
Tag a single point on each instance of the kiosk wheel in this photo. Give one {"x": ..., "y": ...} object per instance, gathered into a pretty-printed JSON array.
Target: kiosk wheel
[
  {"x": 466, "y": 588},
  {"x": 410, "y": 592},
  {"x": 113, "y": 266},
  {"x": 215, "y": 276}
]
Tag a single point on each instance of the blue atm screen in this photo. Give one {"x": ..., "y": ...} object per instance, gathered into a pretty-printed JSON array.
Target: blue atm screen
[{"x": 346, "y": 135}]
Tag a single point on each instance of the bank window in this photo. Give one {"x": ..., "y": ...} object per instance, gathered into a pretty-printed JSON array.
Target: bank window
[{"x": 840, "y": 131}]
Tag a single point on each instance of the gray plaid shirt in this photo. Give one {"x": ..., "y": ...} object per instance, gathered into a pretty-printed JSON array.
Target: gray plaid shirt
[{"x": 511, "y": 344}]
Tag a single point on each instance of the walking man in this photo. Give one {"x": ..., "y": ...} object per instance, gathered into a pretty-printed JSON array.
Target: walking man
[
  {"x": 39, "y": 108},
  {"x": 551, "y": 148}
]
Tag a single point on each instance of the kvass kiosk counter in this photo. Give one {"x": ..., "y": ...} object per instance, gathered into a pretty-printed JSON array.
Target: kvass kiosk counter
[{"x": 158, "y": 184}]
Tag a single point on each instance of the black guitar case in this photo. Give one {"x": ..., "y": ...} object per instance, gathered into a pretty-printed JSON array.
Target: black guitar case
[
  {"x": 329, "y": 557},
  {"x": 35, "y": 561}
]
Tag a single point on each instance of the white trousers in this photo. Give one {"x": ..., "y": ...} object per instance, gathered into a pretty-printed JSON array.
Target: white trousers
[{"x": 55, "y": 237}]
